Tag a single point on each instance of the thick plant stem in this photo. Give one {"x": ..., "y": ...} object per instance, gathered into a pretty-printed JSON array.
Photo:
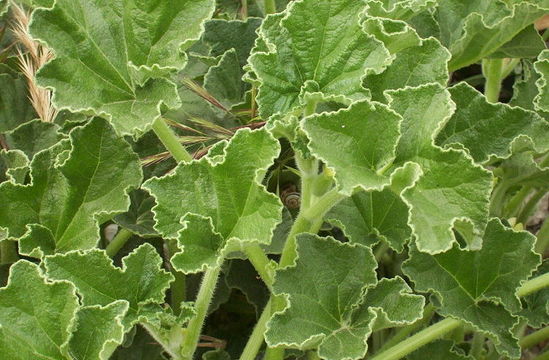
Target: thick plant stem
[
  {"x": 261, "y": 262},
  {"x": 178, "y": 288},
  {"x": 257, "y": 337},
  {"x": 118, "y": 242},
  {"x": 416, "y": 341},
  {"x": 159, "y": 339},
  {"x": 170, "y": 141},
  {"x": 544, "y": 356},
  {"x": 8, "y": 252},
  {"x": 477, "y": 345},
  {"x": 203, "y": 300},
  {"x": 493, "y": 72},
  {"x": 308, "y": 220},
  {"x": 530, "y": 206},
  {"x": 533, "y": 285},
  {"x": 508, "y": 67},
  {"x": 403, "y": 332},
  {"x": 269, "y": 6},
  {"x": 534, "y": 338},
  {"x": 543, "y": 238}
]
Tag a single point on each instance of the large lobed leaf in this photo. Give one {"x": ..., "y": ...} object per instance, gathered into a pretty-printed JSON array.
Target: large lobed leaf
[
  {"x": 314, "y": 47},
  {"x": 341, "y": 304},
  {"x": 75, "y": 186},
  {"x": 106, "y": 52},
  {"x": 224, "y": 187},
  {"x": 377, "y": 139},
  {"x": 140, "y": 281},
  {"x": 479, "y": 286},
  {"x": 43, "y": 320}
]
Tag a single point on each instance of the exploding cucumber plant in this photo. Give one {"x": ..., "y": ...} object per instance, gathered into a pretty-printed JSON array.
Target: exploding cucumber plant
[{"x": 308, "y": 179}]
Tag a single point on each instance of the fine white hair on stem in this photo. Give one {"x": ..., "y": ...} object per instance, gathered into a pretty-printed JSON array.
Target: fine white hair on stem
[{"x": 32, "y": 56}]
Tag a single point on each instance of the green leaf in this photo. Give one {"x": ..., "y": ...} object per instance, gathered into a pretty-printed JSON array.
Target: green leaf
[
  {"x": 536, "y": 305},
  {"x": 541, "y": 101},
  {"x": 223, "y": 35},
  {"x": 525, "y": 89},
  {"x": 523, "y": 169},
  {"x": 400, "y": 9},
  {"x": 34, "y": 136},
  {"x": 479, "y": 286},
  {"x": 201, "y": 246},
  {"x": 422, "y": 64},
  {"x": 140, "y": 348},
  {"x": 140, "y": 281},
  {"x": 452, "y": 191},
  {"x": 139, "y": 218},
  {"x": 474, "y": 29},
  {"x": 242, "y": 275},
  {"x": 36, "y": 317},
  {"x": 107, "y": 52},
  {"x": 15, "y": 107},
  {"x": 232, "y": 202},
  {"x": 13, "y": 166},
  {"x": 526, "y": 44},
  {"x": 333, "y": 312},
  {"x": 98, "y": 332},
  {"x": 365, "y": 133},
  {"x": 438, "y": 350},
  {"x": 395, "y": 35},
  {"x": 366, "y": 217},
  {"x": 475, "y": 122},
  {"x": 314, "y": 47},
  {"x": 71, "y": 192},
  {"x": 224, "y": 81}
]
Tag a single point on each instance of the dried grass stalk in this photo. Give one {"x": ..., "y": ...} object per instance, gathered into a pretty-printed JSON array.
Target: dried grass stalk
[{"x": 32, "y": 56}]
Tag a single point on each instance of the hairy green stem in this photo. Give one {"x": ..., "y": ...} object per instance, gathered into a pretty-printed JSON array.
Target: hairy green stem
[
  {"x": 530, "y": 206},
  {"x": 202, "y": 303},
  {"x": 160, "y": 339},
  {"x": 309, "y": 172},
  {"x": 534, "y": 338},
  {"x": 244, "y": 9},
  {"x": 476, "y": 345},
  {"x": 8, "y": 252},
  {"x": 261, "y": 262},
  {"x": 493, "y": 71},
  {"x": 170, "y": 141},
  {"x": 416, "y": 341},
  {"x": 269, "y": 6},
  {"x": 514, "y": 206},
  {"x": 534, "y": 285},
  {"x": 118, "y": 242},
  {"x": 178, "y": 288},
  {"x": 498, "y": 197},
  {"x": 308, "y": 220},
  {"x": 543, "y": 238},
  {"x": 257, "y": 337},
  {"x": 274, "y": 353},
  {"x": 509, "y": 67},
  {"x": 405, "y": 331}
]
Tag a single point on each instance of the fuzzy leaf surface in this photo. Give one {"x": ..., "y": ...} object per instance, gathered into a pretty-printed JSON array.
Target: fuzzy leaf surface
[
  {"x": 140, "y": 281},
  {"x": 474, "y": 29},
  {"x": 438, "y": 202},
  {"x": 36, "y": 317},
  {"x": 332, "y": 313},
  {"x": 475, "y": 122},
  {"x": 423, "y": 64},
  {"x": 71, "y": 192},
  {"x": 15, "y": 107},
  {"x": 479, "y": 286},
  {"x": 367, "y": 133},
  {"x": 232, "y": 202},
  {"x": 314, "y": 47},
  {"x": 541, "y": 101},
  {"x": 98, "y": 332},
  {"x": 367, "y": 217},
  {"x": 107, "y": 51}
]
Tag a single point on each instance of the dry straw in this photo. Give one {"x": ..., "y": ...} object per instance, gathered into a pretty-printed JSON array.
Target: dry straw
[{"x": 32, "y": 56}]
